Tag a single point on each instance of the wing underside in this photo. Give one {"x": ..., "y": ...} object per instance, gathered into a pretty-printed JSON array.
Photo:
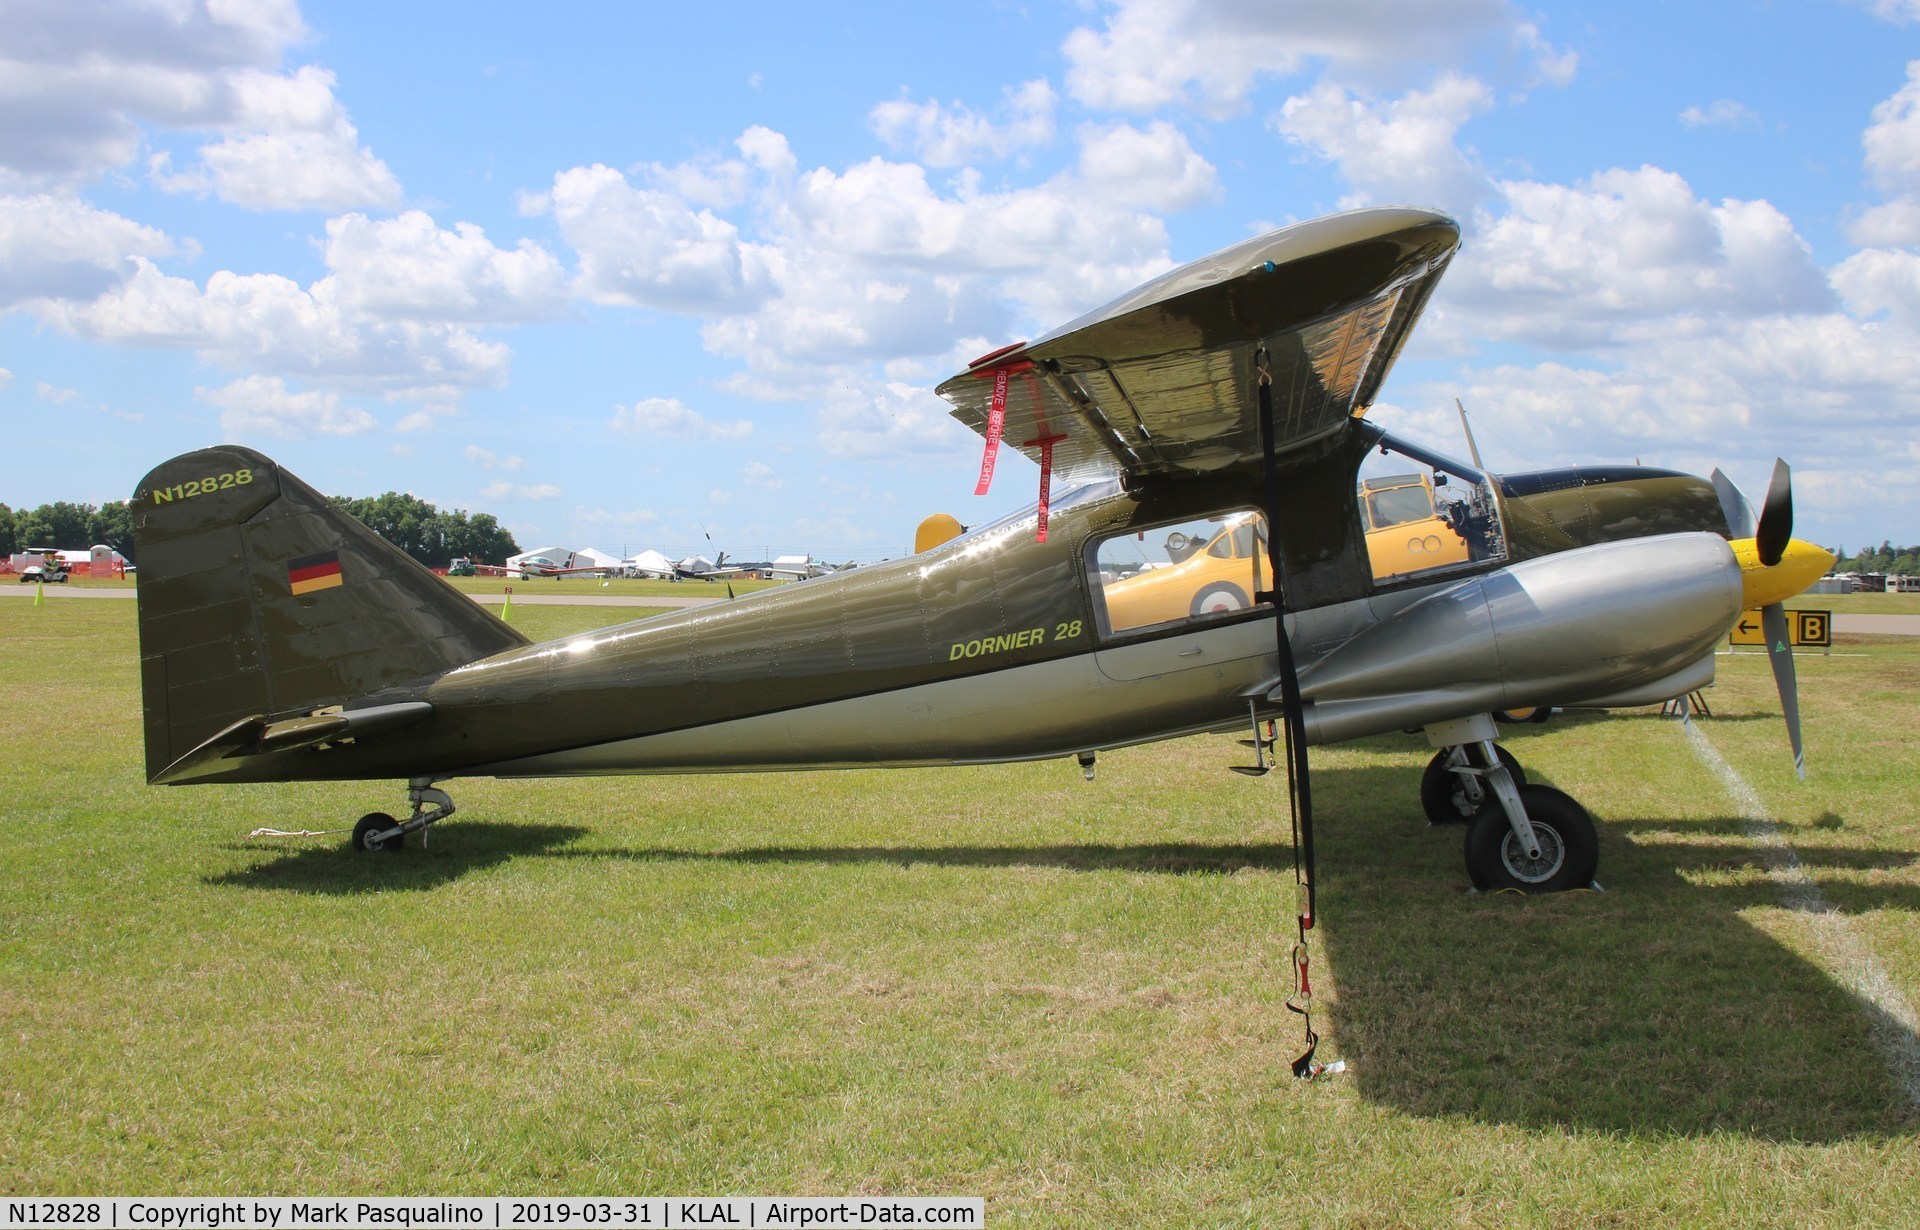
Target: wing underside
[{"x": 1163, "y": 380}]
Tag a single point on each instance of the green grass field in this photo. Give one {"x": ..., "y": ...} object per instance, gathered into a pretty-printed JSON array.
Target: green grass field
[{"x": 1006, "y": 982}]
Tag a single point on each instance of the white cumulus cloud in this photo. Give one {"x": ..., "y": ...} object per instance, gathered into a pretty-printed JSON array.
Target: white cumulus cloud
[
  {"x": 1209, "y": 54},
  {"x": 820, "y": 274},
  {"x": 1892, "y": 224},
  {"x": 503, "y": 490},
  {"x": 951, "y": 135},
  {"x": 58, "y": 247},
  {"x": 88, "y": 82},
  {"x": 669, "y": 416},
  {"x": 262, "y": 405},
  {"x": 1892, "y": 141},
  {"x": 1588, "y": 264},
  {"x": 1153, "y": 167},
  {"x": 408, "y": 268},
  {"x": 1721, "y": 113},
  {"x": 265, "y": 321},
  {"x": 649, "y": 248},
  {"x": 289, "y": 146},
  {"x": 868, "y": 419},
  {"x": 1399, "y": 150},
  {"x": 1898, "y": 11},
  {"x": 487, "y": 459}
]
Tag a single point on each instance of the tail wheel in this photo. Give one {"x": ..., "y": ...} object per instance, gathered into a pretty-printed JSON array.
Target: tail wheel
[
  {"x": 1569, "y": 848},
  {"x": 366, "y": 834},
  {"x": 1444, "y": 797},
  {"x": 1220, "y": 597}
]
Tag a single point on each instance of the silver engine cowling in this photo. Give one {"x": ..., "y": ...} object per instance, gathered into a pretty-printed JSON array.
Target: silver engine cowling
[{"x": 1619, "y": 623}]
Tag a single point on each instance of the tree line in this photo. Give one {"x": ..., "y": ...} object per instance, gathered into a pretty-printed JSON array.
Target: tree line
[
  {"x": 67, "y": 526},
  {"x": 429, "y": 535},
  {"x": 424, "y": 532},
  {"x": 1887, "y": 558}
]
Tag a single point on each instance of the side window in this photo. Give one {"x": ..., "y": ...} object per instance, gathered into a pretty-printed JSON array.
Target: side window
[{"x": 1178, "y": 573}]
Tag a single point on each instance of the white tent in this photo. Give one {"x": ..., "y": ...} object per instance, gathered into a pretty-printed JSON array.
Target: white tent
[
  {"x": 649, "y": 564},
  {"x": 587, "y": 557}
]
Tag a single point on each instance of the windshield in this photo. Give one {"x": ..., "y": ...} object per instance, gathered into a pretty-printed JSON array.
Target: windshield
[
  {"x": 1086, "y": 493},
  {"x": 1424, "y": 513}
]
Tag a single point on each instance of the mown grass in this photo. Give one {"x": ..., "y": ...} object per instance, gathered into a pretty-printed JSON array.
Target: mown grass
[
  {"x": 1858, "y": 604},
  {"x": 1004, "y": 981}
]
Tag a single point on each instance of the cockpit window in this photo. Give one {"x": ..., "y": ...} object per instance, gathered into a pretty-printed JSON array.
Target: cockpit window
[
  {"x": 1179, "y": 573},
  {"x": 1424, "y": 513}
]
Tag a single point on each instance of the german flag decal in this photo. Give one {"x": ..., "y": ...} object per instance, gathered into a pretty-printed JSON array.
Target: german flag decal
[{"x": 311, "y": 572}]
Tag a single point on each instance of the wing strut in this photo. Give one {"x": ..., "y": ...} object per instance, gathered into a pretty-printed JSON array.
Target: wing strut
[{"x": 1299, "y": 786}]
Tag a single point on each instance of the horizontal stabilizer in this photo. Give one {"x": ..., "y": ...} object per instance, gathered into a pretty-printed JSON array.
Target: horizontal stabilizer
[{"x": 255, "y": 736}]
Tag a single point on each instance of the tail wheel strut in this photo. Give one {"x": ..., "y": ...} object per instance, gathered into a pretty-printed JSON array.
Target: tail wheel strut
[{"x": 379, "y": 831}]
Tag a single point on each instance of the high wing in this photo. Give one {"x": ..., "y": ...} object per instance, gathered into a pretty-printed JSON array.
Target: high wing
[{"x": 1162, "y": 380}]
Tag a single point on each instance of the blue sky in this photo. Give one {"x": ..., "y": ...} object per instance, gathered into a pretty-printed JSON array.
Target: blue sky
[{"x": 636, "y": 275}]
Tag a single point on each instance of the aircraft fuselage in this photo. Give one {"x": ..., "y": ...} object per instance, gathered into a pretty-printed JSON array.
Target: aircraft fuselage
[{"x": 992, "y": 647}]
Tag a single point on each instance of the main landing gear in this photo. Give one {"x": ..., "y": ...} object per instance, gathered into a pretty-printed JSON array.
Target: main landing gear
[
  {"x": 379, "y": 831},
  {"x": 1531, "y": 838}
]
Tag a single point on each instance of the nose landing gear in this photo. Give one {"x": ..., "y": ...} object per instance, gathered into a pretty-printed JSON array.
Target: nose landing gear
[{"x": 1536, "y": 840}]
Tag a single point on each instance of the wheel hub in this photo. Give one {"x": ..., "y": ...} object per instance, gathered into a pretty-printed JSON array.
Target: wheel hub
[{"x": 1533, "y": 870}]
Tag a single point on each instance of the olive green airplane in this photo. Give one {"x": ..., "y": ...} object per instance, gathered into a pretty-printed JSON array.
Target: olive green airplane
[{"x": 1215, "y": 468}]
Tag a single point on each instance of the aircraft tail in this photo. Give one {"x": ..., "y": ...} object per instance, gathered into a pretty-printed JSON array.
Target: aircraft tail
[{"x": 260, "y": 598}]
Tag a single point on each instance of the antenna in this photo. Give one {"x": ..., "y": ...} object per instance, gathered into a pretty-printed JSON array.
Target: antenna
[{"x": 1471, "y": 446}]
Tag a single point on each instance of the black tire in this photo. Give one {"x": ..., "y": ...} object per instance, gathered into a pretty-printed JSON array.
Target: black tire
[
  {"x": 377, "y": 822},
  {"x": 1220, "y": 597},
  {"x": 1569, "y": 848},
  {"x": 1444, "y": 797}
]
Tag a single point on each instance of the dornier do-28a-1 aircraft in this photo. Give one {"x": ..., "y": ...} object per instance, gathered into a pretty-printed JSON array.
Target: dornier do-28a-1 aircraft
[{"x": 1208, "y": 437}]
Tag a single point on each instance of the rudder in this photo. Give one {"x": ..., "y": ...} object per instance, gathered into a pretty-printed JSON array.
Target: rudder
[{"x": 259, "y": 597}]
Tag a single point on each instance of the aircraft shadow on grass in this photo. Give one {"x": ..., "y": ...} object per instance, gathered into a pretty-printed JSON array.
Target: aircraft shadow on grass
[
  {"x": 1652, "y": 1009},
  {"x": 1164, "y": 858},
  {"x": 333, "y": 869}
]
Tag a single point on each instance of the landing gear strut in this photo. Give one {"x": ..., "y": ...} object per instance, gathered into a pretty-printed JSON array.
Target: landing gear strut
[
  {"x": 379, "y": 831},
  {"x": 1538, "y": 840},
  {"x": 1454, "y": 787}
]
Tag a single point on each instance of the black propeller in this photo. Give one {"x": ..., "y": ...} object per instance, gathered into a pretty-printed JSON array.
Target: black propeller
[
  {"x": 1776, "y": 516},
  {"x": 1771, "y": 535}
]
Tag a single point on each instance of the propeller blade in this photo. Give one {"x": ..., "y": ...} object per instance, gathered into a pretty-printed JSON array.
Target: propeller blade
[
  {"x": 1773, "y": 621},
  {"x": 1776, "y": 516},
  {"x": 1739, "y": 513}
]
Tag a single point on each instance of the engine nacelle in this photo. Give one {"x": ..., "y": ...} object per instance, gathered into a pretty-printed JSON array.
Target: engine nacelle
[{"x": 1631, "y": 622}]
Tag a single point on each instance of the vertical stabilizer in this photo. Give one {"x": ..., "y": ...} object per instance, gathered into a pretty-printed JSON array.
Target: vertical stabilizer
[{"x": 259, "y": 597}]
